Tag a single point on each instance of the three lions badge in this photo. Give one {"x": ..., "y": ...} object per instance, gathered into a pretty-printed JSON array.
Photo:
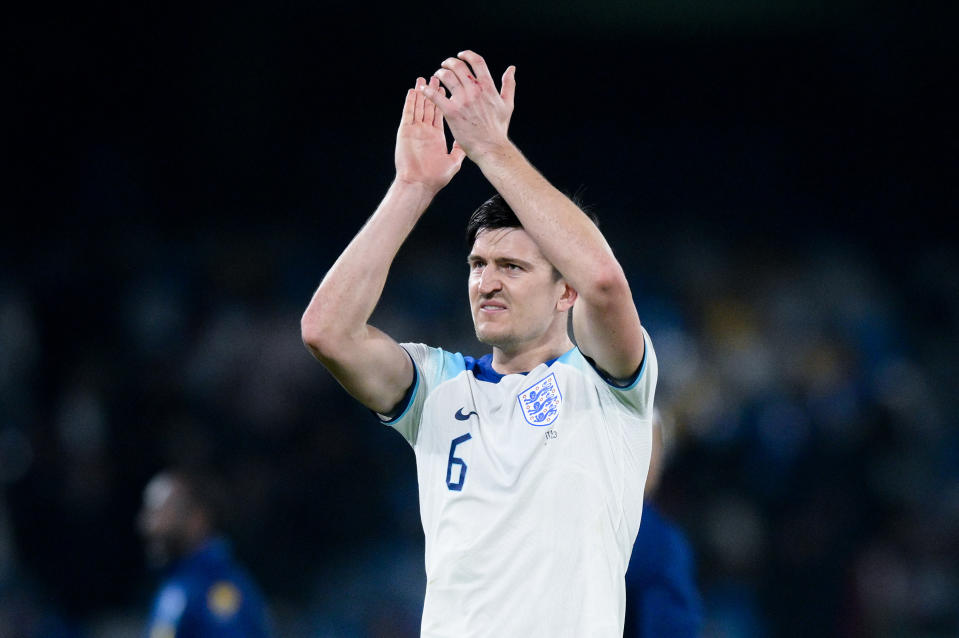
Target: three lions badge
[{"x": 541, "y": 401}]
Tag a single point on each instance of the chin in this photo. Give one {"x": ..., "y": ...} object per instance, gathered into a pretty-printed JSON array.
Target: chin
[{"x": 493, "y": 338}]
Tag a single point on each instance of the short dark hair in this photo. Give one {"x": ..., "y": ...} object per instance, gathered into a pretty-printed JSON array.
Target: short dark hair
[
  {"x": 493, "y": 213},
  {"x": 496, "y": 213}
]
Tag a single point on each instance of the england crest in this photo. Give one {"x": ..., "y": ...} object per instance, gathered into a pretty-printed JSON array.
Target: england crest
[{"x": 540, "y": 402}]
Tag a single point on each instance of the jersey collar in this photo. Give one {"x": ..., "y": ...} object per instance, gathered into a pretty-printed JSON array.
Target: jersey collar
[{"x": 482, "y": 368}]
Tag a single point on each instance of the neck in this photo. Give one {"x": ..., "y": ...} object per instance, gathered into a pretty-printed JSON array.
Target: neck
[{"x": 510, "y": 362}]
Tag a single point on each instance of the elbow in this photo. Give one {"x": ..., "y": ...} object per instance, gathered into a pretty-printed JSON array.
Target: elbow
[
  {"x": 311, "y": 335},
  {"x": 609, "y": 283},
  {"x": 318, "y": 332}
]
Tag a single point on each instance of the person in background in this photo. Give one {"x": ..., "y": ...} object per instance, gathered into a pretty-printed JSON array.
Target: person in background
[
  {"x": 204, "y": 593},
  {"x": 662, "y": 598}
]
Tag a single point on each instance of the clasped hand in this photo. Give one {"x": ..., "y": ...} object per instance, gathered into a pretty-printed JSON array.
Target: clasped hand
[{"x": 478, "y": 116}]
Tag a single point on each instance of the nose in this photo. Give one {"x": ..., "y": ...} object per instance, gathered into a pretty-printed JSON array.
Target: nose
[{"x": 489, "y": 281}]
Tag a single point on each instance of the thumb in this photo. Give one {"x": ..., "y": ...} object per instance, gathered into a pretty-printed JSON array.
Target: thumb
[
  {"x": 509, "y": 85},
  {"x": 457, "y": 154}
]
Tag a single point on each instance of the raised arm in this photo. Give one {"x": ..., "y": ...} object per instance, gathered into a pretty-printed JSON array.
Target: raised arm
[
  {"x": 366, "y": 361},
  {"x": 605, "y": 322}
]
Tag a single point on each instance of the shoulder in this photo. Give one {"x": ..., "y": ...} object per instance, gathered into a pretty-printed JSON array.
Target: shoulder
[
  {"x": 436, "y": 365},
  {"x": 230, "y": 598},
  {"x": 223, "y": 598},
  {"x": 576, "y": 358},
  {"x": 634, "y": 394},
  {"x": 217, "y": 584}
]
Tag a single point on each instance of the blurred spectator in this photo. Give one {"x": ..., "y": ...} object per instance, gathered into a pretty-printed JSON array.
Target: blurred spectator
[
  {"x": 205, "y": 593},
  {"x": 662, "y": 597},
  {"x": 778, "y": 199}
]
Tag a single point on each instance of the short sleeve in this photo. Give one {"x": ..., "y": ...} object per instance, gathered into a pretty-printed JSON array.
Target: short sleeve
[
  {"x": 638, "y": 393},
  {"x": 431, "y": 366}
]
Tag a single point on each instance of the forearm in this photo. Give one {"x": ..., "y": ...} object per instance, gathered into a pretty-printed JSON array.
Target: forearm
[
  {"x": 605, "y": 321},
  {"x": 568, "y": 238},
  {"x": 348, "y": 294},
  {"x": 604, "y": 317}
]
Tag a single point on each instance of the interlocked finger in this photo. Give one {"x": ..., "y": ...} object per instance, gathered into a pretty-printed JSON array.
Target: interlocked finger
[
  {"x": 478, "y": 64},
  {"x": 450, "y": 81},
  {"x": 462, "y": 71}
]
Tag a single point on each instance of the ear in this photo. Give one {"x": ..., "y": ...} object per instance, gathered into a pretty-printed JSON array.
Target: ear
[{"x": 567, "y": 298}]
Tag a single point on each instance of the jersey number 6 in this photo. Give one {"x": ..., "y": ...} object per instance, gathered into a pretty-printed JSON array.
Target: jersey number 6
[{"x": 458, "y": 484}]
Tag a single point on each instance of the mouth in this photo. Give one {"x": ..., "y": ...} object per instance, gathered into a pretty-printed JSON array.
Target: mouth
[{"x": 492, "y": 307}]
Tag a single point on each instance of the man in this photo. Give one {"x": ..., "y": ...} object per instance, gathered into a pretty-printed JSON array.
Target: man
[
  {"x": 662, "y": 599},
  {"x": 205, "y": 593},
  {"x": 530, "y": 460}
]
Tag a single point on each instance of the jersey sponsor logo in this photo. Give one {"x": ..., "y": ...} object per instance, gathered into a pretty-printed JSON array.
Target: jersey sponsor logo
[
  {"x": 223, "y": 599},
  {"x": 541, "y": 401},
  {"x": 459, "y": 416}
]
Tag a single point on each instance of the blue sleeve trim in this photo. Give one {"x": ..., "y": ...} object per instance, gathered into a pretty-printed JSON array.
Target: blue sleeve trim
[
  {"x": 631, "y": 381},
  {"x": 407, "y": 399}
]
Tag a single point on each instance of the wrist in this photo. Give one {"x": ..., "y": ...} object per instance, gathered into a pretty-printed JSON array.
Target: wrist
[
  {"x": 416, "y": 194},
  {"x": 415, "y": 188},
  {"x": 493, "y": 152}
]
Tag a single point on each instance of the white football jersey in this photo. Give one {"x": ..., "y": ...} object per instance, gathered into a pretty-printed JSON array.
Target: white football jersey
[{"x": 531, "y": 492}]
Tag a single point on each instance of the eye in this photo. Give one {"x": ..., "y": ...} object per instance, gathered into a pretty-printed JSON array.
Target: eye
[{"x": 513, "y": 267}]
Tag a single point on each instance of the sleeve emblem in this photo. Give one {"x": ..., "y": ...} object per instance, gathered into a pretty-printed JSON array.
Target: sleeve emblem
[{"x": 223, "y": 599}]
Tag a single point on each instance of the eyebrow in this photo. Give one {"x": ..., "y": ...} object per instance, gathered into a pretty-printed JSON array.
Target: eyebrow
[{"x": 500, "y": 260}]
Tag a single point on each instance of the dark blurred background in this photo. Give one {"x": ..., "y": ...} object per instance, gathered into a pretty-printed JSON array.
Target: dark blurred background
[{"x": 778, "y": 180}]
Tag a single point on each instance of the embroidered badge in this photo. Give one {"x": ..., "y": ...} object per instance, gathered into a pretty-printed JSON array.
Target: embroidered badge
[
  {"x": 223, "y": 599},
  {"x": 541, "y": 401}
]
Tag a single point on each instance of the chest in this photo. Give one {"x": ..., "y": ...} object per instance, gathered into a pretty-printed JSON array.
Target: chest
[{"x": 480, "y": 436}]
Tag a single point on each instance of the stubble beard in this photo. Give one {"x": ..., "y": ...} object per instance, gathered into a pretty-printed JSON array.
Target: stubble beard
[{"x": 502, "y": 341}]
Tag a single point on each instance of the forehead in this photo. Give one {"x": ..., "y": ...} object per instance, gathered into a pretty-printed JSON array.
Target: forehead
[{"x": 498, "y": 243}]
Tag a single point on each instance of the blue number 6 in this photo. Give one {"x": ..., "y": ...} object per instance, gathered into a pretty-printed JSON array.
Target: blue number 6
[{"x": 458, "y": 485}]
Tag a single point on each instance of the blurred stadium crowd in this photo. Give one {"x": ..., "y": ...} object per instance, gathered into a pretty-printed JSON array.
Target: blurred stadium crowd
[
  {"x": 815, "y": 467},
  {"x": 769, "y": 174}
]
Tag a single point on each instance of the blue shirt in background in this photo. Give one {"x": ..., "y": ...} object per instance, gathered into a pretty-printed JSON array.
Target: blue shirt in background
[
  {"x": 662, "y": 599},
  {"x": 208, "y": 595}
]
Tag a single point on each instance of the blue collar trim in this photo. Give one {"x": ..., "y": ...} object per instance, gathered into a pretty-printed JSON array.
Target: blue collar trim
[{"x": 482, "y": 368}]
